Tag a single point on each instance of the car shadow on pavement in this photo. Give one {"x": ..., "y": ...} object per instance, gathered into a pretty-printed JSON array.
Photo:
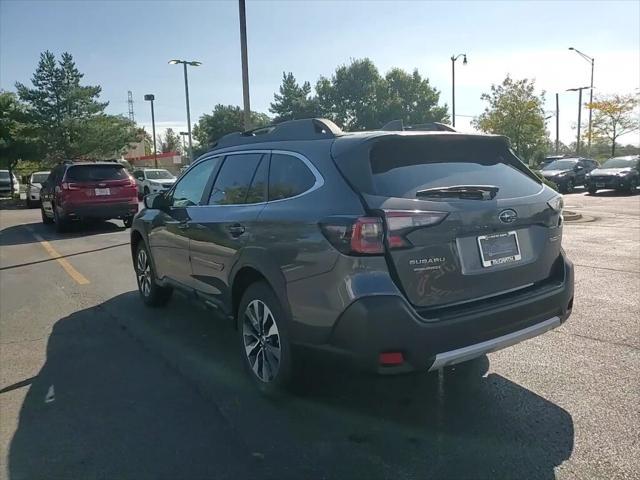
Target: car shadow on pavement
[
  {"x": 19, "y": 235},
  {"x": 118, "y": 411}
]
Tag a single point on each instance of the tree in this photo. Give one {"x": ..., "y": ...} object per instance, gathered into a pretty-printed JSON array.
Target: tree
[
  {"x": 223, "y": 120},
  {"x": 16, "y": 135},
  {"x": 614, "y": 116},
  {"x": 170, "y": 142},
  {"x": 357, "y": 97},
  {"x": 351, "y": 96},
  {"x": 67, "y": 117},
  {"x": 294, "y": 101},
  {"x": 410, "y": 98},
  {"x": 517, "y": 112}
]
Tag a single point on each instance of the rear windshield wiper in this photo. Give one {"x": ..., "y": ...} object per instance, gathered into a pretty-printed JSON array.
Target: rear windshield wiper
[{"x": 472, "y": 192}]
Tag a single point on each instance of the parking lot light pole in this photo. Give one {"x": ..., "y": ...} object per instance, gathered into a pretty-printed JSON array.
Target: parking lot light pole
[
  {"x": 591, "y": 61},
  {"x": 183, "y": 134},
  {"x": 184, "y": 63},
  {"x": 453, "y": 84},
  {"x": 149, "y": 97},
  {"x": 579, "y": 90}
]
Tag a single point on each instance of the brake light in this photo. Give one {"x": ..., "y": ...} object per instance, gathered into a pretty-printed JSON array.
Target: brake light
[
  {"x": 132, "y": 181},
  {"x": 402, "y": 222},
  {"x": 355, "y": 236},
  {"x": 69, "y": 186}
]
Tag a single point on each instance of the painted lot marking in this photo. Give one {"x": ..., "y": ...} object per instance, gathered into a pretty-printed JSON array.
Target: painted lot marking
[{"x": 53, "y": 253}]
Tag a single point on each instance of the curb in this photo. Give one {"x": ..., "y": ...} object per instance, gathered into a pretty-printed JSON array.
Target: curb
[{"x": 570, "y": 216}]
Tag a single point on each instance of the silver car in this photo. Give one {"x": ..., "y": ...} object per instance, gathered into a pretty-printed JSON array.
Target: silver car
[{"x": 33, "y": 188}]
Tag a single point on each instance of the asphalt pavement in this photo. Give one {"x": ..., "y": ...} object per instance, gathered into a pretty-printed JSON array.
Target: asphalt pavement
[{"x": 95, "y": 385}]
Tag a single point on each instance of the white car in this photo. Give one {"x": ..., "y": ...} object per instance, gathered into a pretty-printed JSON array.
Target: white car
[
  {"x": 153, "y": 180},
  {"x": 5, "y": 183},
  {"x": 33, "y": 188}
]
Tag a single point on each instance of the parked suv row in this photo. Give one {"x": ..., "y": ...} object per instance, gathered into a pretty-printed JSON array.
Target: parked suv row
[
  {"x": 568, "y": 172},
  {"x": 399, "y": 250}
]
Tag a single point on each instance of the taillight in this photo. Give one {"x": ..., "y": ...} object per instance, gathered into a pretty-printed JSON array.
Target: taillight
[
  {"x": 355, "y": 236},
  {"x": 69, "y": 186},
  {"x": 402, "y": 222},
  {"x": 132, "y": 181}
]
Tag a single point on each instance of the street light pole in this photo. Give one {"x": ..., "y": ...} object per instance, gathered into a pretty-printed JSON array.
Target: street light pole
[
  {"x": 591, "y": 60},
  {"x": 453, "y": 84},
  {"x": 184, "y": 63},
  {"x": 150, "y": 98},
  {"x": 579, "y": 90},
  {"x": 245, "y": 66},
  {"x": 183, "y": 134},
  {"x": 557, "y": 124}
]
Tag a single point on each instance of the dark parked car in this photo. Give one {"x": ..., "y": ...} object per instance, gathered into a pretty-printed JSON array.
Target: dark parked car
[
  {"x": 618, "y": 173},
  {"x": 568, "y": 173},
  {"x": 400, "y": 250},
  {"x": 80, "y": 191}
]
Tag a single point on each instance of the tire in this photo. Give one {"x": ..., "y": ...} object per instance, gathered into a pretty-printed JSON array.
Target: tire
[
  {"x": 264, "y": 338},
  {"x": 633, "y": 184},
  {"x": 152, "y": 294},
  {"x": 592, "y": 190},
  {"x": 569, "y": 186},
  {"x": 60, "y": 223},
  {"x": 128, "y": 221},
  {"x": 45, "y": 220}
]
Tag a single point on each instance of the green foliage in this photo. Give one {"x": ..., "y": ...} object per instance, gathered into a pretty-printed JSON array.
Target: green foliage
[
  {"x": 67, "y": 119},
  {"x": 17, "y": 140},
  {"x": 517, "y": 112},
  {"x": 293, "y": 101},
  {"x": 223, "y": 120},
  {"x": 357, "y": 97},
  {"x": 171, "y": 142},
  {"x": 614, "y": 116}
]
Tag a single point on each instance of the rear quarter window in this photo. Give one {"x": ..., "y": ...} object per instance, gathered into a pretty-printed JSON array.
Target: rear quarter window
[
  {"x": 402, "y": 166},
  {"x": 95, "y": 173}
]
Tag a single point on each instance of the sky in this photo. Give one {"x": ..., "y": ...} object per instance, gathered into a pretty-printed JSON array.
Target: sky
[{"x": 125, "y": 45}]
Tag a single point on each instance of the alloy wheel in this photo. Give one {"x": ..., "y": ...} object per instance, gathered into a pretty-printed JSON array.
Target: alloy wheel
[
  {"x": 261, "y": 340},
  {"x": 143, "y": 272}
]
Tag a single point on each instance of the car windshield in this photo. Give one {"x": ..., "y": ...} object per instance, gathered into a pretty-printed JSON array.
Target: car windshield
[
  {"x": 560, "y": 165},
  {"x": 95, "y": 173},
  {"x": 159, "y": 175},
  {"x": 620, "y": 163},
  {"x": 4, "y": 175},
  {"x": 39, "y": 177}
]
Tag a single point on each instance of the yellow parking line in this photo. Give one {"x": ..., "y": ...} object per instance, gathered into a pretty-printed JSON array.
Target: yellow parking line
[{"x": 71, "y": 271}]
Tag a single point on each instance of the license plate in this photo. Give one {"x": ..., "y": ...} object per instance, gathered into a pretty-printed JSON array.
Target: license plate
[
  {"x": 499, "y": 248},
  {"x": 599, "y": 185},
  {"x": 102, "y": 191}
]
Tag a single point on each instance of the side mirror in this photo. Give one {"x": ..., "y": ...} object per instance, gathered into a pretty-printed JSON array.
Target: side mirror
[
  {"x": 157, "y": 201},
  {"x": 577, "y": 168}
]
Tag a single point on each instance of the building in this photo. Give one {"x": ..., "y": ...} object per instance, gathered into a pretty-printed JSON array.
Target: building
[{"x": 171, "y": 161}]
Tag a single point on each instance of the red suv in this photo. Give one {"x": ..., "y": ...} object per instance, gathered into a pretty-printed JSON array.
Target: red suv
[{"x": 77, "y": 191}]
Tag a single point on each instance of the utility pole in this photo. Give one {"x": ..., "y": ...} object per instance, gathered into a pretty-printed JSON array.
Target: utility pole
[
  {"x": 245, "y": 66},
  {"x": 130, "y": 104},
  {"x": 453, "y": 84},
  {"x": 557, "y": 124},
  {"x": 591, "y": 60},
  {"x": 579, "y": 90},
  {"x": 186, "y": 91}
]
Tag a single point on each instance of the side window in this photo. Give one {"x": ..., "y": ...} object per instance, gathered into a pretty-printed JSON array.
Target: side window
[
  {"x": 188, "y": 191},
  {"x": 234, "y": 179},
  {"x": 258, "y": 190},
  {"x": 288, "y": 177},
  {"x": 139, "y": 174}
]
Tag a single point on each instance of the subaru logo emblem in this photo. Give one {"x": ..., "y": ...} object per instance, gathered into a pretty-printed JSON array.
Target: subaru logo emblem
[{"x": 508, "y": 216}]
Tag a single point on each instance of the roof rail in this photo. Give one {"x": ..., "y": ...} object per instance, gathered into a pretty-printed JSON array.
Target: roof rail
[
  {"x": 398, "y": 126},
  {"x": 305, "y": 129}
]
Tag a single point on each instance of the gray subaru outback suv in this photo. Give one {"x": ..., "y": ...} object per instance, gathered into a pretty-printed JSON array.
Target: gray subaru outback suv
[{"x": 402, "y": 250}]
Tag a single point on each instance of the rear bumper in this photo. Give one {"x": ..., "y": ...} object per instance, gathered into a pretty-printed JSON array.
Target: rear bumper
[
  {"x": 111, "y": 210},
  {"x": 378, "y": 324}
]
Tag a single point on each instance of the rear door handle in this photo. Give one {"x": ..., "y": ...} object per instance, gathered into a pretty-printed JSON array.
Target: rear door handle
[{"x": 236, "y": 229}]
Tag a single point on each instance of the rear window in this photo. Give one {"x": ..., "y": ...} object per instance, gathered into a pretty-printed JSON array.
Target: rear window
[
  {"x": 39, "y": 177},
  {"x": 402, "y": 166},
  {"x": 95, "y": 173}
]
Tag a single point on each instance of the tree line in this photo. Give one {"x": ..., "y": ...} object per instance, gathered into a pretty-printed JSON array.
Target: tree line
[{"x": 58, "y": 117}]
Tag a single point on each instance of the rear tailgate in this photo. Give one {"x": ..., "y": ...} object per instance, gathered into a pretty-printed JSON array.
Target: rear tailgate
[
  {"x": 473, "y": 249},
  {"x": 99, "y": 184}
]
